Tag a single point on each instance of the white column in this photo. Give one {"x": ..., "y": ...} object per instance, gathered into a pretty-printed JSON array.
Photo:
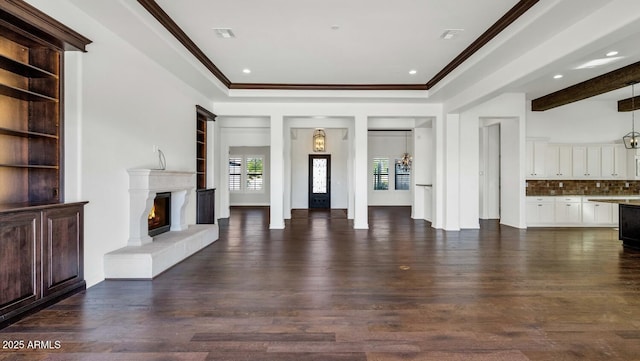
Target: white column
[
  {"x": 360, "y": 161},
  {"x": 452, "y": 172},
  {"x": 277, "y": 172},
  {"x": 438, "y": 198}
]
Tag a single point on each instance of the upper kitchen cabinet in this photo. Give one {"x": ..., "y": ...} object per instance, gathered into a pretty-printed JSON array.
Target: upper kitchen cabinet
[
  {"x": 614, "y": 161},
  {"x": 558, "y": 161},
  {"x": 586, "y": 161},
  {"x": 535, "y": 158}
]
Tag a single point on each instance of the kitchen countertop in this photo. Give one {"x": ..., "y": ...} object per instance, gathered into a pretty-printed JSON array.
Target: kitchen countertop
[{"x": 632, "y": 201}]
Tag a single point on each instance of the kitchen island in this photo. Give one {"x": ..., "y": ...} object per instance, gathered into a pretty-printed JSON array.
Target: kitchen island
[{"x": 629, "y": 220}]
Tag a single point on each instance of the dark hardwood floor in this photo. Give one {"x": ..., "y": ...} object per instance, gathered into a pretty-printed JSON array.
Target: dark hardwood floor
[{"x": 319, "y": 290}]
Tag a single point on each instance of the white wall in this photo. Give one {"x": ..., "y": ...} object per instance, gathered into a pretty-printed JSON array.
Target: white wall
[
  {"x": 586, "y": 121},
  {"x": 119, "y": 104},
  {"x": 390, "y": 145},
  {"x": 337, "y": 146},
  {"x": 509, "y": 110}
]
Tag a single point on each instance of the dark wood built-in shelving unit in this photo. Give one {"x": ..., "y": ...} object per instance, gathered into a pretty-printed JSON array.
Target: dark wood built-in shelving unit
[
  {"x": 205, "y": 198},
  {"x": 41, "y": 238}
]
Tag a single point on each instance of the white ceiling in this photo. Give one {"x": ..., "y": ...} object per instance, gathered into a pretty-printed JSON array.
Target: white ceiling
[{"x": 377, "y": 42}]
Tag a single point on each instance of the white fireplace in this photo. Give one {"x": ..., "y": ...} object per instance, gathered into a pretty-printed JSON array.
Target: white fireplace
[
  {"x": 145, "y": 257},
  {"x": 144, "y": 184}
]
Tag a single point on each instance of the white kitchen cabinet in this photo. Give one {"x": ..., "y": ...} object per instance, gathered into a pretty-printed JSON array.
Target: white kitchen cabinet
[
  {"x": 595, "y": 213},
  {"x": 535, "y": 159},
  {"x": 540, "y": 211},
  {"x": 586, "y": 161},
  {"x": 558, "y": 161},
  {"x": 633, "y": 164},
  {"x": 614, "y": 161},
  {"x": 568, "y": 210}
]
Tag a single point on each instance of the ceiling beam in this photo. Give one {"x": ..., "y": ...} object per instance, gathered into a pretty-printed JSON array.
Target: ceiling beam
[
  {"x": 512, "y": 15},
  {"x": 627, "y": 105},
  {"x": 613, "y": 80}
]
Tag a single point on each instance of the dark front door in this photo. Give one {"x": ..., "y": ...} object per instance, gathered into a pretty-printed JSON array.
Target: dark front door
[{"x": 319, "y": 181}]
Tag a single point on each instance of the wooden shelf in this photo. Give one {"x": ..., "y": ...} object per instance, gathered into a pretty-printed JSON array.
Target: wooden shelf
[
  {"x": 24, "y": 94},
  {"x": 24, "y": 69},
  {"x": 26, "y": 134},
  {"x": 29, "y": 166}
]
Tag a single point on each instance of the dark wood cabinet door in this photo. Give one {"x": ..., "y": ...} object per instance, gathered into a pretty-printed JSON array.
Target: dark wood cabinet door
[
  {"x": 62, "y": 259},
  {"x": 206, "y": 204},
  {"x": 19, "y": 252}
]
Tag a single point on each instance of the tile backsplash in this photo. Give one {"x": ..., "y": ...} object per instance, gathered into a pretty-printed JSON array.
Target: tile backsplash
[{"x": 582, "y": 187}]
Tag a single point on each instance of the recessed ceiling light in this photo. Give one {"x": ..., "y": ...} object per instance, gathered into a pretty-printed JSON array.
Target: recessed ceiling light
[
  {"x": 612, "y": 53},
  {"x": 557, "y": 76},
  {"x": 598, "y": 62},
  {"x": 412, "y": 71},
  {"x": 225, "y": 33},
  {"x": 246, "y": 71},
  {"x": 449, "y": 34}
]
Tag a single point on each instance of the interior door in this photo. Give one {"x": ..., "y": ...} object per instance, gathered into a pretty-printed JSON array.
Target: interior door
[{"x": 319, "y": 181}]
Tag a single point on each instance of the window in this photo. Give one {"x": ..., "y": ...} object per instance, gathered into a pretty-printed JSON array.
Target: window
[
  {"x": 246, "y": 173},
  {"x": 235, "y": 173},
  {"x": 402, "y": 177},
  {"x": 254, "y": 173},
  {"x": 380, "y": 173}
]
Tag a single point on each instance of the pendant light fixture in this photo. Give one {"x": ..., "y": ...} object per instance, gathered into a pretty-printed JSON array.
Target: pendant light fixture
[
  {"x": 405, "y": 161},
  {"x": 319, "y": 140},
  {"x": 632, "y": 139}
]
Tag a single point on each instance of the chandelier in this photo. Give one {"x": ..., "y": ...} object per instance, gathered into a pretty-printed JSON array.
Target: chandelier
[
  {"x": 631, "y": 140},
  {"x": 405, "y": 162}
]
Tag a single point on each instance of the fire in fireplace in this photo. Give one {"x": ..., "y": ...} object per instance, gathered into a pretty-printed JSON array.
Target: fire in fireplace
[{"x": 160, "y": 215}]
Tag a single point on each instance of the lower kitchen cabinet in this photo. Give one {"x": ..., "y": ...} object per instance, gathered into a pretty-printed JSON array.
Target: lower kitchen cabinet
[
  {"x": 41, "y": 257},
  {"x": 568, "y": 210},
  {"x": 571, "y": 211},
  {"x": 595, "y": 213},
  {"x": 540, "y": 210}
]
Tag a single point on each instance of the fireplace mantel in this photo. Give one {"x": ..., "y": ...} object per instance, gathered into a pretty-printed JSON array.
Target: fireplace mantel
[{"x": 144, "y": 184}]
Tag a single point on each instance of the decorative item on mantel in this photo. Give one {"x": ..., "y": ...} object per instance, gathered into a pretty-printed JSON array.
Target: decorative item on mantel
[
  {"x": 162, "y": 161},
  {"x": 405, "y": 161},
  {"x": 319, "y": 140},
  {"x": 631, "y": 140}
]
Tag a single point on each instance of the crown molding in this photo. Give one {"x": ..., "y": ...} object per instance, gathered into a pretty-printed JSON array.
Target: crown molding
[
  {"x": 263, "y": 86},
  {"x": 165, "y": 20},
  {"x": 507, "y": 19},
  {"x": 41, "y": 25}
]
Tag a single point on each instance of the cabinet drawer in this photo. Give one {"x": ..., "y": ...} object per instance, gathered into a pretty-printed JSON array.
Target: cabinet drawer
[
  {"x": 569, "y": 199},
  {"x": 541, "y": 199}
]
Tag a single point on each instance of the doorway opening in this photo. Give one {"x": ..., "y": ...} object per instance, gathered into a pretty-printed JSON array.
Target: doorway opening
[{"x": 490, "y": 172}]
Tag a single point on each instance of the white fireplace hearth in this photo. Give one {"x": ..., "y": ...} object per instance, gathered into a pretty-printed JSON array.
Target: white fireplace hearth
[{"x": 145, "y": 257}]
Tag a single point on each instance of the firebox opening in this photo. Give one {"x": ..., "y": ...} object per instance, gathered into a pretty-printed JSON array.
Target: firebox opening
[{"x": 160, "y": 215}]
